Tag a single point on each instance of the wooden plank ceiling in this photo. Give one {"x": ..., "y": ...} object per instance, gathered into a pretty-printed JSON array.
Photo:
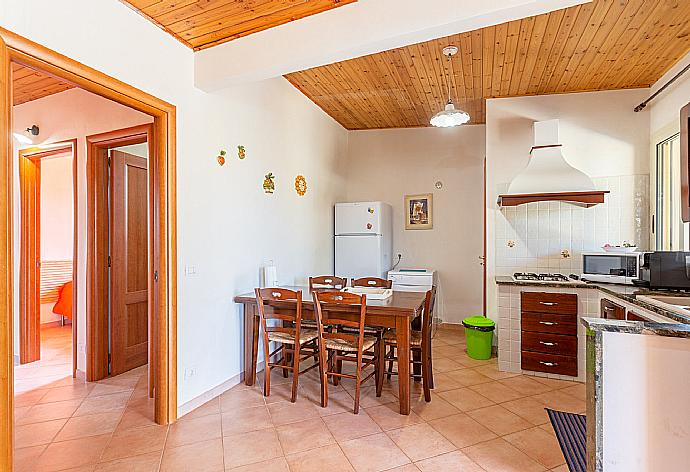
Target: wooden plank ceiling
[
  {"x": 200, "y": 24},
  {"x": 29, "y": 84},
  {"x": 602, "y": 45}
]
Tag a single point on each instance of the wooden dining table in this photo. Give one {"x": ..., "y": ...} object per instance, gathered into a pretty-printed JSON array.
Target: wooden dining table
[{"x": 397, "y": 311}]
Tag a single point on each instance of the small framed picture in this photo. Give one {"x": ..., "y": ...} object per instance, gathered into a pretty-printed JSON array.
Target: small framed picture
[{"x": 419, "y": 211}]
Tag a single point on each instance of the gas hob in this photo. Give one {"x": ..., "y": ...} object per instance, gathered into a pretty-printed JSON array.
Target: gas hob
[{"x": 543, "y": 278}]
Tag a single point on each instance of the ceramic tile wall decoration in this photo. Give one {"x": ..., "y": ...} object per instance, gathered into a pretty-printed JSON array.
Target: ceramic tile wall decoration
[
  {"x": 241, "y": 152},
  {"x": 221, "y": 158},
  {"x": 269, "y": 183},
  {"x": 300, "y": 185}
]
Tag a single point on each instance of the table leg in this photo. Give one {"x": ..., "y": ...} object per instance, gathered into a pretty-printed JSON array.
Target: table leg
[
  {"x": 402, "y": 328},
  {"x": 251, "y": 343}
]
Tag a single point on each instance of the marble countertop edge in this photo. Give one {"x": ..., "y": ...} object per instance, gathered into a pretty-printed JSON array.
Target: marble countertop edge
[{"x": 637, "y": 327}]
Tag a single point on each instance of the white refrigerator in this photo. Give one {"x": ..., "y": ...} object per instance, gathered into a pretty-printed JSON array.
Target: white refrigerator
[{"x": 363, "y": 239}]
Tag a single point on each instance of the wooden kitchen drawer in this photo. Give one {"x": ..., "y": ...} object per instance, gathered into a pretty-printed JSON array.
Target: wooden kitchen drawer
[
  {"x": 548, "y": 323},
  {"x": 550, "y": 363},
  {"x": 612, "y": 311},
  {"x": 546, "y": 302},
  {"x": 548, "y": 343}
]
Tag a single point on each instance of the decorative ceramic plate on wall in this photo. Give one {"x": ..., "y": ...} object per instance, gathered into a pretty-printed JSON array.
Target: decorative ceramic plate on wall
[{"x": 300, "y": 185}]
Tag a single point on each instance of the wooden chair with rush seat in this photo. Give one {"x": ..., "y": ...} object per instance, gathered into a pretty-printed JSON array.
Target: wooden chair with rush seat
[
  {"x": 327, "y": 282},
  {"x": 373, "y": 282},
  {"x": 289, "y": 334},
  {"x": 324, "y": 282},
  {"x": 337, "y": 346},
  {"x": 420, "y": 344}
]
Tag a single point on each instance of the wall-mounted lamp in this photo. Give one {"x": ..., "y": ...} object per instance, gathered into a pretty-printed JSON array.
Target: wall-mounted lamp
[{"x": 23, "y": 139}]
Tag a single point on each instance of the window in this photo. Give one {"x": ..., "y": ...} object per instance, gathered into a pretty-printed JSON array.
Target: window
[{"x": 668, "y": 226}]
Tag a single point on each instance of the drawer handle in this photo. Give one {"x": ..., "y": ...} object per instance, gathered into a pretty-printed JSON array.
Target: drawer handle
[
  {"x": 608, "y": 308},
  {"x": 549, "y": 303},
  {"x": 548, "y": 323},
  {"x": 549, "y": 364},
  {"x": 548, "y": 344}
]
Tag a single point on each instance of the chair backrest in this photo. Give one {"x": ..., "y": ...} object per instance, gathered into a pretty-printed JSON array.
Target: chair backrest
[
  {"x": 372, "y": 282},
  {"x": 327, "y": 281},
  {"x": 326, "y": 305},
  {"x": 272, "y": 296},
  {"x": 428, "y": 313}
]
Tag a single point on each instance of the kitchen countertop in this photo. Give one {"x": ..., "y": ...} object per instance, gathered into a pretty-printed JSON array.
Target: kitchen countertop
[
  {"x": 681, "y": 330},
  {"x": 628, "y": 293}
]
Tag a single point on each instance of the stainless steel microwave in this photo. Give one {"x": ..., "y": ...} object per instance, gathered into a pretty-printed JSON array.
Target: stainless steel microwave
[{"x": 611, "y": 267}]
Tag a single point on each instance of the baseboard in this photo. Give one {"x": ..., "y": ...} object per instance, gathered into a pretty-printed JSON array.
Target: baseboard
[
  {"x": 55, "y": 324},
  {"x": 457, "y": 326},
  {"x": 81, "y": 375},
  {"x": 216, "y": 391}
]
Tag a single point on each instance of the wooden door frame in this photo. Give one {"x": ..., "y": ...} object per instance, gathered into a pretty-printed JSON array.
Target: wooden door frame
[
  {"x": 97, "y": 223},
  {"x": 21, "y": 50},
  {"x": 30, "y": 237}
]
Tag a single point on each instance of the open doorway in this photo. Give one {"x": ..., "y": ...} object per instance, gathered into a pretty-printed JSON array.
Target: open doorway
[
  {"x": 67, "y": 254},
  {"x": 47, "y": 334},
  {"x": 49, "y": 67}
]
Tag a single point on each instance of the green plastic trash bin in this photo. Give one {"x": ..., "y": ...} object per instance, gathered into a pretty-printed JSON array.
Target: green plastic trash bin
[{"x": 479, "y": 334}]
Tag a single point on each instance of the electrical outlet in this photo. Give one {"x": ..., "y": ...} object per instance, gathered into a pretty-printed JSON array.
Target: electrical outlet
[
  {"x": 190, "y": 270},
  {"x": 189, "y": 372}
]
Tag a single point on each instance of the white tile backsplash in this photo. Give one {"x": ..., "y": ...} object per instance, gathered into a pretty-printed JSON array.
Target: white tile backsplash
[{"x": 540, "y": 231}]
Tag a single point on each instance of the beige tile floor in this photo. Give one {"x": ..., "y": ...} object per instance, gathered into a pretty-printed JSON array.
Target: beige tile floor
[{"x": 479, "y": 420}]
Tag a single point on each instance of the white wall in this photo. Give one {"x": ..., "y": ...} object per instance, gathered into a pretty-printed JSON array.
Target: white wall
[
  {"x": 602, "y": 136},
  {"x": 57, "y": 208},
  {"x": 57, "y": 212},
  {"x": 386, "y": 165},
  {"x": 227, "y": 226},
  {"x": 645, "y": 410},
  {"x": 664, "y": 110},
  {"x": 63, "y": 116}
]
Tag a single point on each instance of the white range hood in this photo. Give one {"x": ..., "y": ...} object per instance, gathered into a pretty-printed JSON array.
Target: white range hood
[{"x": 548, "y": 176}]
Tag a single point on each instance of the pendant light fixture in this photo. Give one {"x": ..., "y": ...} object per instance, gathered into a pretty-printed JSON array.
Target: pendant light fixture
[{"x": 450, "y": 116}]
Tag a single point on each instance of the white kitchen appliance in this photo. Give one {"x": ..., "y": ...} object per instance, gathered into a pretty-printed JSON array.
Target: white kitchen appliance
[
  {"x": 418, "y": 280},
  {"x": 363, "y": 239},
  {"x": 412, "y": 280},
  {"x": 611, "y": 267}
]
